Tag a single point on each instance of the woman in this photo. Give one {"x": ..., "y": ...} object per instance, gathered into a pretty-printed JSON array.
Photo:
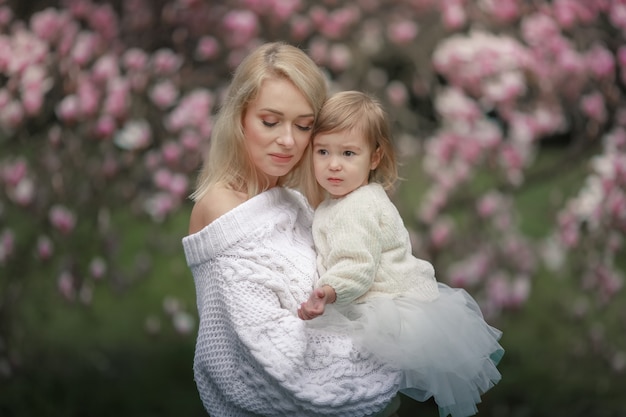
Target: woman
[{"x": 251, "y": 254}]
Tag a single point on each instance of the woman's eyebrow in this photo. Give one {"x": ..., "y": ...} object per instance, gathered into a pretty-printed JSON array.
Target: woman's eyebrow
[{"x": 280, "y": 113}]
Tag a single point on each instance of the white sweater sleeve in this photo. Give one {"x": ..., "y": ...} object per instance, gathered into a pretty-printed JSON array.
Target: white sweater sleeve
[{"x": 254, "y": 357}]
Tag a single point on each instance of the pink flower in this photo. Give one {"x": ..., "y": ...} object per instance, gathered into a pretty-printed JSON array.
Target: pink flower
[
  {"x": 12, "y": 115},
  {"x": 301, "y": 27},
  {"x": 7, "y": 245},
  {"x": 489, "y": 204},
  {"x": 135, "y": 59},
  {"x": 241, "y": 25},
  {"x": 88, "y": 96},
  {"x": 594, "y": 107},
  {"x": 178, "y": 185},
  {"x": 164, "y": 94},
  {"x": 47, "y": 24},
  {"x": 207, "y": 48},
  {"x": 284, "y": 9},
  {"x": 68, "y": 109},
  {"x": 62, "y": 219},
  {"x": 454, "y": 16},
  {"x": 192, "y": 110},
  {"x": 6, "y": 15},
  {"x": 45, "y": 248},
  {"x": 12, "y": 173},
  {"x": 105, "y": 126},
  {"x": 402, "y": 32},
  {"x": 118, "y": 98},
  {"x": 84, "y": 48},
  {"x": 135, "y": 135},
  {"x": 65, "y": 285},
  {"x": 165, "y": 62},
  {"x": 159, "y": 206},
  {"x": 340, "y": 57},
  {"x": 104, "y": 20},
  {"x": 440, "y": 233},
  {"x": 24, "y": 192},
  {"x": 105, "y": 68},
  {"x": 397, "y": 93},
  {"x": 172, "y": 152},
  {"x": 601, "y": 62},
  {"x": 97, "y": 268}
]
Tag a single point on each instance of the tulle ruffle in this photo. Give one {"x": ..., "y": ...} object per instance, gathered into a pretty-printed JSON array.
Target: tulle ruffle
[{"x": 445, "y": 347}]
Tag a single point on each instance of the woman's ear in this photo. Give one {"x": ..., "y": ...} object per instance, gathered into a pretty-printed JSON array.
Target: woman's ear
[{"x": 376, "y": 157}]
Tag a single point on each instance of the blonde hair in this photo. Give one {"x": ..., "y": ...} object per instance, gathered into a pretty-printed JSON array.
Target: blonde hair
[
  {"x": 228, "y": 162},
  {"x": 363, "y": 113}
]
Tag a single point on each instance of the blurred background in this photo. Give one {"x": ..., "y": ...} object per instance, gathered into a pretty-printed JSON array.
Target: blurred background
[{"x": 510, "y": 122}]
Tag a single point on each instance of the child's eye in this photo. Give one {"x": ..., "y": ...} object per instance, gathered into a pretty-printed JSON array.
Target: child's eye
[
  {"x": 349, "y": 153},
  {"x": 269, "y": 124},
  {"x": 322, "y": 151}
]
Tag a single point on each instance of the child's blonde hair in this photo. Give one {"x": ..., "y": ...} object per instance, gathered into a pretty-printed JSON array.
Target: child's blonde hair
[
  {"x": 228, "y": 162},
  {"x": 357, "y": 111}
]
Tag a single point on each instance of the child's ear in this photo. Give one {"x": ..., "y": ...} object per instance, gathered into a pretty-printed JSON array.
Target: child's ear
[{"x": 376, "y": 157}]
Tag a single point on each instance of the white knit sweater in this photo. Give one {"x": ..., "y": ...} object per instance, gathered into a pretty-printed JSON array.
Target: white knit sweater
[
  {"x": 364, "y": 249},
  {"x": 252, "y": 268}
]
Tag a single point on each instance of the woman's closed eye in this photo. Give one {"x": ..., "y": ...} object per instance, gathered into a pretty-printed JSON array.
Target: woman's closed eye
[
  {"x": 304, "y": 128},
  {"x": 269, "y": 124}
]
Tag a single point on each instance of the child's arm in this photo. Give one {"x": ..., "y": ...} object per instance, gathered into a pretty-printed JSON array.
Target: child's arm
[{"x": 316, "y": 303}]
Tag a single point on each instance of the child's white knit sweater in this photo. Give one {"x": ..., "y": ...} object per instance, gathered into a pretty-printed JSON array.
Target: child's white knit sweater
[
  {"x": 254, "y": 357},
  {"x": 364, "y": 249}
]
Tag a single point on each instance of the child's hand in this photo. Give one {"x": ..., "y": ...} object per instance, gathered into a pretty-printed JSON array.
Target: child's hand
[{"x": 314, "y": 306}]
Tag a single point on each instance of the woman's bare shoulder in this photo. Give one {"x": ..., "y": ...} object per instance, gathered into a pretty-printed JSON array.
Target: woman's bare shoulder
[{"x": 217, "y": 201}]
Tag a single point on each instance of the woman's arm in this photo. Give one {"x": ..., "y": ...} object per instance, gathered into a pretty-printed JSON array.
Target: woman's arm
[{"x": 255, "y": 355}]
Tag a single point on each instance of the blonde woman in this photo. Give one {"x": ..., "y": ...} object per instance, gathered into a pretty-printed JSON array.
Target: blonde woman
[{"x": 251, "y": 253}]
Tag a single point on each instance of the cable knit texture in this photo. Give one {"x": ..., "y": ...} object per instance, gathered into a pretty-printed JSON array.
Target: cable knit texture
[
  {"x": 364, "y": 250},
  {"x": 252, "y": 268}
]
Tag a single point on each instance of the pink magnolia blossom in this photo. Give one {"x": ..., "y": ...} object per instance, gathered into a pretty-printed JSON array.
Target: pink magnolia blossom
[
  {"x": 397, "y": 93},
  {"x": 183, "y": 322},
  {"x": 12, "y": 115},
  {"x": 164, "y": 94},
  {"x": 489, "y": 204},
  {"x": 135, "y": 59},
  {"x": 301, "y": 27},
  {"x": 503, "y": 11},
  {"x": 7, "y": 245},
  {"x": 105, "y": 126},
  {"x": 402, "y": 32},
  {"x": 103, "y": 20},
  {"x": 45, "y": 248},
  {"x": 594, "y": 107},
  {"x": 117, "y": 100},
  {"x": 135, "y": 135},
  {"x": 207, "y": 48},
  {"x": 6, "y": 15},
  {"x": 97, "y": 268},
  {"x": 62, "y": 219},
  {"x": 105, "y": 68},
  {"x": 48, "y": 23},
  {"x": 440, "y": 233},
  {"x": 192, "y": 110},
  {"x": 68, "y": 109},
  {"x": 160, "y": 205},
  {"x": 454, "y": 16},
  {"x": 84, "y": 48},
  {"x": 285, "y": 9},
  {"x": 340, "y": 57},
  {"x": 65, "y": 285},
  {"x": 88, "y": 96},
  {"x": 179, "y": 185},
  {"x": 11, "y": 173},
  {"x": 172, "y": 152},
  {"x": 242, "y": 25},
  {"x": 601, "y": 62},
  {"x": 164, "y": 61},
  {"x": 23, "y": 193}
]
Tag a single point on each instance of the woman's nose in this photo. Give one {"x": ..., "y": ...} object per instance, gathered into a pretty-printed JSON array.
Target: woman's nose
[{"x": 286, "y": 137}]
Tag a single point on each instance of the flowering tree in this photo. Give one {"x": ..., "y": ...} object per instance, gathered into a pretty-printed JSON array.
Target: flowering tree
[{"x": 106, "y": 107}]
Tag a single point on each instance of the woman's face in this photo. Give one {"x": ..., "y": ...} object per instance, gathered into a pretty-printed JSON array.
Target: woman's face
[{"x": 277, "y": 126}]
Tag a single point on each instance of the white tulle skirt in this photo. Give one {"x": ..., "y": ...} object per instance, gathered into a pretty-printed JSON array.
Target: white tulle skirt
[{"x": 444, "y": 347}]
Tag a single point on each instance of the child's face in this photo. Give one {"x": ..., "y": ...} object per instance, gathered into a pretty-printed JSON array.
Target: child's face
[{"x": 342, "y": 161}]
